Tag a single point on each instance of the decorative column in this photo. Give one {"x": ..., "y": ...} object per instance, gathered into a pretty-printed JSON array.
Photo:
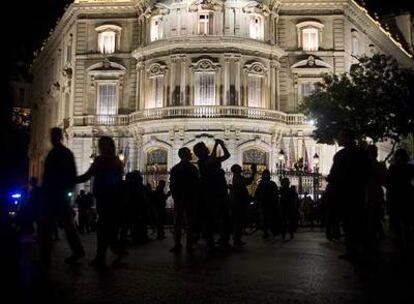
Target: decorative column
[
  {"x": 172, "y": 81},
  {"x": 183, "y": 85},
  {"x": 226, "y": 81},
  {"x": 138, "y": 87},
  {"x": 274, "y": 85},
  {"x": 237, "y": 81}
]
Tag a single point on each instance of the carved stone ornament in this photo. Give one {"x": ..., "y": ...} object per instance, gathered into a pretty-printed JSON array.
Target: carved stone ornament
[
  {"x": 255, "y": 68},
  {"x": 157, "y": 69},
  {"x": 206, "y": 5},
  {"x": 264, "y": 8},
  {"x": 205, "y": 65}
]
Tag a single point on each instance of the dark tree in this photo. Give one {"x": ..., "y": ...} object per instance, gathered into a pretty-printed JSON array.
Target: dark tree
[{"x": 375, "y": 99}]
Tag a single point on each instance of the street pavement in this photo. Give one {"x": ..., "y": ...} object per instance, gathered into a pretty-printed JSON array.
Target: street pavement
[{"x": 303, "y": 270}]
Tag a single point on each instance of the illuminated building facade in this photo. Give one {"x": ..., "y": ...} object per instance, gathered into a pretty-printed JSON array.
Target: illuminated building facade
[{"x": 160, "y": 75}]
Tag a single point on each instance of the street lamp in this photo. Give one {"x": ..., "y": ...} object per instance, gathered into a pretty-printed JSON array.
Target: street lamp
[
  {"x": 281, "y": 164},
  {"x": 315, "y": 176}
]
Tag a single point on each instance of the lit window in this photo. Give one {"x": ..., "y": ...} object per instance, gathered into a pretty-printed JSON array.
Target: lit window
[
  {"x": 107, "y": 42},
  {"x": 254, "y": 88},
  {"x": 155, "y": 30},
  {"x": 256, "y": 28},
  {"x": 310, "y": 39},
  {"x": 307, "y": 88},
  {"x": 157, "y": 92},
  {"x": 205, "y": 89},
  {"x": 107, "y": 99},
  {"x": 204, "y": 23}
]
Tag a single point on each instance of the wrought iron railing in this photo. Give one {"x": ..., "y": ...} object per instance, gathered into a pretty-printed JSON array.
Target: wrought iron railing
[{"x": 190, "y": 112}]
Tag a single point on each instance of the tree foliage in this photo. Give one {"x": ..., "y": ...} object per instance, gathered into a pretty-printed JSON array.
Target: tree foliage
[{"x": 375, "y": 99}]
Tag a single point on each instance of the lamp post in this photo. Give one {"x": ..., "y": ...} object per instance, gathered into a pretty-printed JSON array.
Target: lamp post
[
  {"x": 315, "y": 176},
  {"x": 299, "y": 169},
  {"x": 281, "y": 165}
]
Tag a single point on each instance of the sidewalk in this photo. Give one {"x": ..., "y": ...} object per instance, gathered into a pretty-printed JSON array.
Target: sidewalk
[{"x": 304, "y": 270}]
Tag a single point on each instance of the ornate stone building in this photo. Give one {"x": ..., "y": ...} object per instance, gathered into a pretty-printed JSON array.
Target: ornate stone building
[{"x": 160, "y": 75}]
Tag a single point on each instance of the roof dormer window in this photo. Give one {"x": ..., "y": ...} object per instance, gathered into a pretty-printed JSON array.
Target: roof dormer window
[
  {"x": 108, "y": 38},
  {"x": 309, "y": 35}
]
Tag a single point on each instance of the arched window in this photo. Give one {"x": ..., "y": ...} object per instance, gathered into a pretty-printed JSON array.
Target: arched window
[
  {"x": 256, "y": 73},
  {"x": 157, "y": 160},
  {"x": 257, "y": 157},
  {"x": 108, "y": 38},
  {"x": 256, "y": 27},
  {"x": 156, "y": 82},
  {"x": 309, "y": 35},
  {"x": 205, "y": 83}
]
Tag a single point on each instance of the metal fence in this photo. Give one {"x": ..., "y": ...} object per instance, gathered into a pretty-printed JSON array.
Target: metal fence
[{"x": 310, "y": 183}]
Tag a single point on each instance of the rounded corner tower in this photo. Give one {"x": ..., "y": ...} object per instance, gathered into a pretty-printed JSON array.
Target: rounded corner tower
[{"x": 160, "y": 75}]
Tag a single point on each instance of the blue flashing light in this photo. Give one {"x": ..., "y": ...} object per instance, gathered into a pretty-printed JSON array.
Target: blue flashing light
[
  {"x": 16, "y": 195},
  {"x": 16, "y": 203}
]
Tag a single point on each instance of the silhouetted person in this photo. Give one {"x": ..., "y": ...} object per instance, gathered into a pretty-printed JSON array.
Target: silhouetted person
[
  {"x": 348, "y": 178},
  {"x": 84, "y": 204},
  {"x": 240, "y": 200},
  {"x": 375, "y": 195},
  {"x": 267, "y": 195},
  {"x": 107, "y": 173},
  {"x": 160, "y": 202},
  {"x": 332, "y": 214},
  {"x": 288, "y": 208},
  {"x": 135, "y": 213},
  {"x": 184, "y": 186},
  {"x": 58, "y": 181},
  {"x": 215, "y": 198},
  {"x": 400, "y": 197},
  {"x": 308, "y": 209}
]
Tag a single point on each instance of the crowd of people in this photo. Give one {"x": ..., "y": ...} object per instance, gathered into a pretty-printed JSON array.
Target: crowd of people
[{"x": 208, "y": 209}]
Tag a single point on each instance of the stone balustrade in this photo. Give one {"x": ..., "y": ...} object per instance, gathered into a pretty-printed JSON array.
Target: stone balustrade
[{"x": 190, "y": 112}]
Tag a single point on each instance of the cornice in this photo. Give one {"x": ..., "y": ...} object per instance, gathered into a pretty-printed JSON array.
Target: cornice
[
  {"x": 208, "y": 44},
  {"x": 377, "y": 33}
]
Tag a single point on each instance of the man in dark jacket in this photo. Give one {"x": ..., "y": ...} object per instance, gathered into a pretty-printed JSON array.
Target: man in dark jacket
[
  {"x": 184, "y": 184},
  {"x": 348, "y": 179},
  {"x": 58, "y": 182}
]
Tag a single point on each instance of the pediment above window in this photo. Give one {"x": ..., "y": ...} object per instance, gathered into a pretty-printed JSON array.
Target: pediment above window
[
  {"x": 108, "y": 27},
  {"x": 311, "y": 62},
  {"x": 255, "y": 68},
  {"x": 205, "y": 65},
  {"x": 311, "y": 65},
  {"x": 107, "y": 68},
  {"x": 310, "y": 23}
]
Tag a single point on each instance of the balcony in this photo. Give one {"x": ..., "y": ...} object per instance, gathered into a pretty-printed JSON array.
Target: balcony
[{"x": 209, "y": 112}]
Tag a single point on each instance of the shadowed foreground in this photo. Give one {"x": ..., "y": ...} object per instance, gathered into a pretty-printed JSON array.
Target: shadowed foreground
[{"x": 304, "y": 270}]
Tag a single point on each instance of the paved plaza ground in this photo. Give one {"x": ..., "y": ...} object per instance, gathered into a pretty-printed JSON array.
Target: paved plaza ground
[{"x": 303, "y": 270}]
